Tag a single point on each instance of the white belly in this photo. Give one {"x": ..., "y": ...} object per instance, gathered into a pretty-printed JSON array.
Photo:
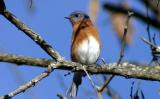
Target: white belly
[{"x": 89, "y": 51}]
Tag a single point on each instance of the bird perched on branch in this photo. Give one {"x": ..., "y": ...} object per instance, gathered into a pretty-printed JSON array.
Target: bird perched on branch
[{"x": 85, "y": 47}]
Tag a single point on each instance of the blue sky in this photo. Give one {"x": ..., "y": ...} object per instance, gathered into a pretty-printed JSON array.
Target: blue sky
[{"x": 47, "y": 19}]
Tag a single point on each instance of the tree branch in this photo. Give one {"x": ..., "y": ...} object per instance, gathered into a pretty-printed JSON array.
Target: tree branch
[
  {"x": 33, "y": 35},
  {"x": 28, "y": 85},
  {"x": 125, "y": 69},
  {"x": 153, "y": 5},
  {"x": 61, "y": 96},
  {"x": 38, "y": 40},
  {"x": 123, "y": 45},
  {"x": 117, "y": 8},
  {"x": 155, "y": 47},
  {"x": 23, "y": 60}
]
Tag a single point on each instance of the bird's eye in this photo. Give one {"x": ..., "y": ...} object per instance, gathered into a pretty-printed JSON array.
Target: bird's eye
[{"x": 77, "y": 15}]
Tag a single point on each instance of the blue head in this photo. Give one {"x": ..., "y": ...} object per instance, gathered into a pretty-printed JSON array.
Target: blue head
[{"x": 77, "y": 16}]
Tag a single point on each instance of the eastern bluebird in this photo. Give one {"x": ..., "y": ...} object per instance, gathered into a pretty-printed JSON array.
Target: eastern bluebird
[{"x": 85, "y": 47}]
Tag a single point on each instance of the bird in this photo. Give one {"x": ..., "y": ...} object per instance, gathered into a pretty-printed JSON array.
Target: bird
[{"x": 85, "y": 46}]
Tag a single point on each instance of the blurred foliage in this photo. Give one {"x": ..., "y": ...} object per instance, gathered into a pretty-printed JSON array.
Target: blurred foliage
[
  {"x": 118, "y": 23},
  {"x": 93, "y": 9}
]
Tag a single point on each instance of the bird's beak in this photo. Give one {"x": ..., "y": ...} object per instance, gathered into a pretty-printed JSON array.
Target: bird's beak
[{"x": 67, "y": 18}]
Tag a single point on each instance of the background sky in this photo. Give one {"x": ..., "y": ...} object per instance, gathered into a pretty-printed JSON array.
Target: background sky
[{"x": 47, "y": 18}]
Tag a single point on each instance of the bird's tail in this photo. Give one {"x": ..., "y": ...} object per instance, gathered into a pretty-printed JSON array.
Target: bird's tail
[{"x": 77, "y": 79}]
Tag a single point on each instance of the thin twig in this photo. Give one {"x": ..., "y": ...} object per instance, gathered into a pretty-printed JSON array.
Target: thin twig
[
  {"x": 157, "y": 48},
  {"x": 148, "y": 27},
  {"x": 90, "y": 79},
  {"x": 29, "y": 84},
  {"x": 153, "y": 6},
  {"x": 124, "y": 37},
  {"x": 131, "y": 91},
  {"x": 19, "y": 79},
  {"x": 121, "y": 52},
  {"x": 155, "y": 51},
  {"x": 149, "y": 43},
  {"x": 154, "y": 39},
  {"x": 100, "y": 89},
  {"x": 137, "y": 14},
  {"x": 106, "y": 83},
  {"x": 61, "y": 96},
  {"x": 152, "y": 48},
  {"x": 112, "y": 93},
  {"x": 93, "y": 84},
  {"x": 38, "y": 40}
]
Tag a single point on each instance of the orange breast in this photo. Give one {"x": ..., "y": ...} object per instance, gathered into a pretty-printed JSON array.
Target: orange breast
[{"x": 85, "y": 43}]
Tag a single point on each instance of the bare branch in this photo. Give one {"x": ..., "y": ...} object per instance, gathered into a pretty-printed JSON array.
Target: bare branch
[
  {"x": 106, "y": 83},
  {"x": 125, "y": 69},
  {"x": 153, "y": 49},
  {"x": 157, "y": 48},
  {"x": 29, "y": 84},
  {"x": 24, "y": 60},
  {"x": 131, "y": 91},
  {"x": 124, "y": 36},
  {"x": 149, "y": 43},
  {"x": 117, "y": 8},
  {"x": 99, "y": 95},
  {"x": 90, "y": 79},
  {"x": 61, "y": 96},
  {"x": 39, "y": 41},
  {"x": 153, "y": 5},
  {"x": 33, "y": 35},
  {"x": 2, "y": 6},
  {"x": 121, "y": 52},
  {"x": 113, "y": 94}
]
